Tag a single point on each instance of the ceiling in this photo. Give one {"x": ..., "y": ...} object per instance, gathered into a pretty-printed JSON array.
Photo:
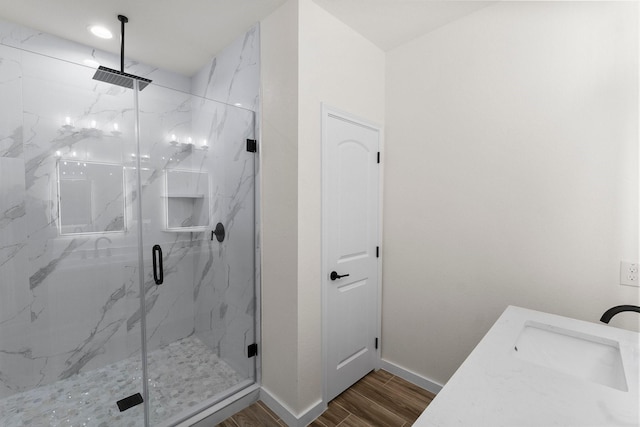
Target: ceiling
[
  {"x": 391, "y": 23},
  {"x": 183, "y": 35}
]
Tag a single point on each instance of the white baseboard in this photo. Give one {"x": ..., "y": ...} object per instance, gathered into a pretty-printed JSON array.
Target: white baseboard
[
  {"x": 286, "y": 414},
  {"x": 230, "y": 406},
  {"x": 412, "y": 377}
]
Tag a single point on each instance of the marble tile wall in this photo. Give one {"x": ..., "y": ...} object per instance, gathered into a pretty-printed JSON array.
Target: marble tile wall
[
  {"x": 233, "y": 76},
  {"x": 67, "y": 298},
  {"x": 224, "y": 291},
  {"x": 226, "y": 297},
  {"x": 31, "y": 40},
  {"x": 70, "y": 303}
]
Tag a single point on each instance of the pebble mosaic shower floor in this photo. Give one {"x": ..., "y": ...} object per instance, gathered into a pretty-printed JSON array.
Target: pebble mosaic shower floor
[{"x": 181, "y": 375}]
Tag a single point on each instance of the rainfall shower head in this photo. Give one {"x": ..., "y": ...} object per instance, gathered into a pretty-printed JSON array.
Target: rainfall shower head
[
  {"x": 120, "y": 78},
  {"x": 109, "y": 75}
]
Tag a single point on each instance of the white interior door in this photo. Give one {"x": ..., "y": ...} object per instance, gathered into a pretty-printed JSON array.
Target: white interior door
[{"x": 350, "y": 241}]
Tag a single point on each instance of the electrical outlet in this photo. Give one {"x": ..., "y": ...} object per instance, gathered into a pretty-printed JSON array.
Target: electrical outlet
[{"x": 629, "y": 273}]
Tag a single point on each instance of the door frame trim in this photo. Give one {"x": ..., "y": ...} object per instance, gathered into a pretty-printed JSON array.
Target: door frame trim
[{"x": 327, "y": 111}]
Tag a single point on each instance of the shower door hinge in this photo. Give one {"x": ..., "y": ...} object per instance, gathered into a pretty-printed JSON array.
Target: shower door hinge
[
  {"x": 129, "y": 402},
  {"x": 378, "y": 157},
  {"x": 377, "y": 251},
  {"x": 252, "y": 145},
  {"x": 252, "y": 350},
  {"x": 376, "y": 343}
]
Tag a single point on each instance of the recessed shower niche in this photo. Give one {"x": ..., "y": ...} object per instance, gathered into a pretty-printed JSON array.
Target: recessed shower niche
[
  {"x": 186, "y": 200},
  {"x": 90, "y": 197}
]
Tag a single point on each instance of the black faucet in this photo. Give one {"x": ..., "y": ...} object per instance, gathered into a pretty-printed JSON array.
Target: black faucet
[{"x": 617, "y": 309}]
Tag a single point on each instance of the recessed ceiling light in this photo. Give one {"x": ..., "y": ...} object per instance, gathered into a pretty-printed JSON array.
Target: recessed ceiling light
[{"x": 100, "y": 31}]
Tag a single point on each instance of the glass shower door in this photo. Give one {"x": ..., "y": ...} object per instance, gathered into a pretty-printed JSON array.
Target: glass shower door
[
  {"x": 76, "y": 192},
  {"x": 69, "y": 308},
  {"x": 199, "y": 250}
]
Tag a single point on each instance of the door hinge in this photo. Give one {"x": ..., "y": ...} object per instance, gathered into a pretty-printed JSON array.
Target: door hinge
[
  {"x": 252, "y": 145},
  {"x": 377, "y": 251},
  {"x": 129, "y": 402},
  {"x": 378, "y": 157},
  {"x": 376, "y": 343},
  {"x": 252, "y": 350}
]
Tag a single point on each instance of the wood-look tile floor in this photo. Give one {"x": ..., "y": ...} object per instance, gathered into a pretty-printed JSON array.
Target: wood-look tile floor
[{"x": 379, "y": 399}]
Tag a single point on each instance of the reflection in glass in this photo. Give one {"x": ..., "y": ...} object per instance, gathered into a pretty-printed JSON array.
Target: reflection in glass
[{"x": 90, "y": 197}]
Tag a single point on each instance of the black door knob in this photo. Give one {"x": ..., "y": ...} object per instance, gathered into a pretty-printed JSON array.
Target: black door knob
[{"x": 334, "y": 275}]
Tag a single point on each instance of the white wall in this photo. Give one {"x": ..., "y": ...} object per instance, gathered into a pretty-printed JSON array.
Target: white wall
[
  {"x": 308, "y": 57},
  {"x": 279, "y": 184},
  {"x": 341, "y": 68},
  {"x": 511, "y": 174}
]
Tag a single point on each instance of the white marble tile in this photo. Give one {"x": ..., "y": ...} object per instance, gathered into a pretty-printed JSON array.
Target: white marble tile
[
  {"x": 70, "y": 303},
  {"x": 10, "y": 112},
  {"x": 91, "y": 396},
  {"x": 222, "y": 318},
  {"x": 13, "y": 232},
  {"x": 233, "y": 76},
  {"x": 70, "y": 295},
  {"x": 46, "y": 44}
]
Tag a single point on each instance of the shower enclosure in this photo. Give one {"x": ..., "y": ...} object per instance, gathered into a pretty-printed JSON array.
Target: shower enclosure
[{"x": 114, "y": 288}]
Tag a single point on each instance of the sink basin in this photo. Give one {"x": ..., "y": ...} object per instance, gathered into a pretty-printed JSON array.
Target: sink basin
[
  {"x": 588, "y": 357},
  {"x": 565, "y": 372}
]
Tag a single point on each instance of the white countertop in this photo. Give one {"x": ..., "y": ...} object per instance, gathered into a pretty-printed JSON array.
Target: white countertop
[{"x": 497, "y": 386}]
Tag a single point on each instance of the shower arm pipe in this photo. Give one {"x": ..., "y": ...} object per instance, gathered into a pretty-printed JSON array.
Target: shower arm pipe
[{"x": 123, "y": 20}]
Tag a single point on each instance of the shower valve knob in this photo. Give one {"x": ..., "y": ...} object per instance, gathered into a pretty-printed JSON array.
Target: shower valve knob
[{"x": 218, "y": 232}]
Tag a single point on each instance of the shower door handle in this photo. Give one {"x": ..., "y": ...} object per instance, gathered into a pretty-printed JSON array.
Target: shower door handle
[{"x": 158, "y": 271}]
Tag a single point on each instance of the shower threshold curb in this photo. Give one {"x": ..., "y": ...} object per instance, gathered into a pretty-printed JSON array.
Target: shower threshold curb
[{"x": 222, "y": 410}]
